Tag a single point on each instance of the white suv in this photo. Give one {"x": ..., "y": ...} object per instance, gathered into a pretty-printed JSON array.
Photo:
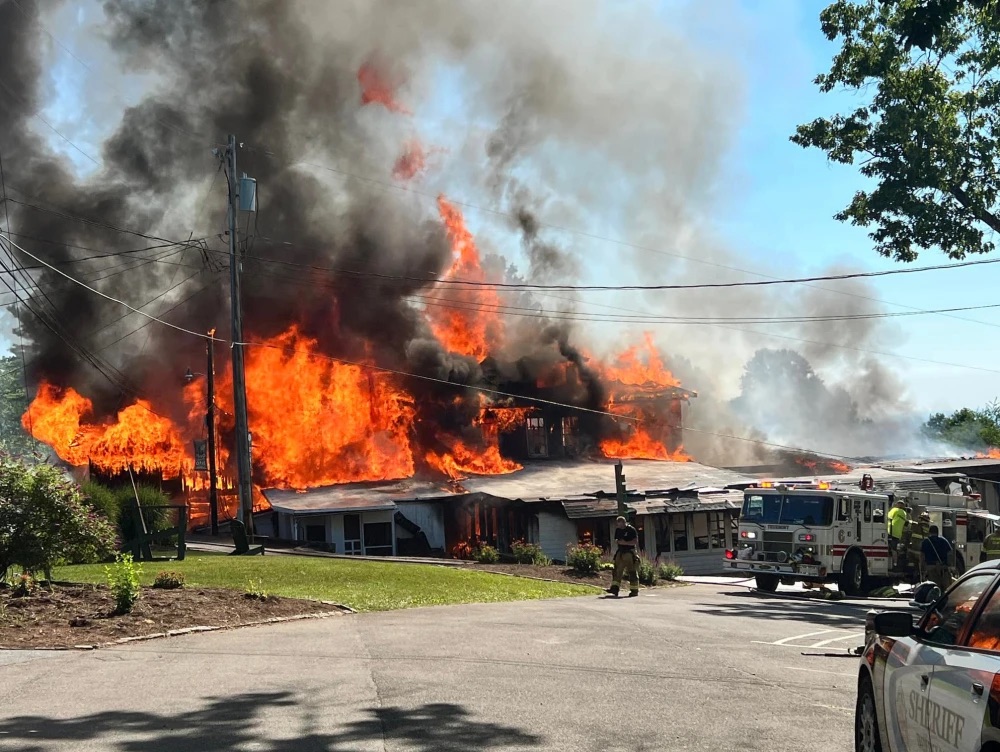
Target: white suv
[{"x": 931, "y": 681}]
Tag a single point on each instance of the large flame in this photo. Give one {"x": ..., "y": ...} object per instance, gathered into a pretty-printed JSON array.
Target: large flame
[
  {"x": 641, "y": 446},
  {"x": 316, "y": 421},
  {"x": 465, "y": 321},
  {"x": 993, "y": 453},
  {"x": 640, "y": 366},
  {"x": 461, "y": 460},
  {"x": 138, "y": 437}
]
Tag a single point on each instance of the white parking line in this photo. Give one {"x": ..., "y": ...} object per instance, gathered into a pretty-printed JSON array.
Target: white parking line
[
  {"x": 803, "y": 640},
  {"x": 854, "y": 636},
  {"x": 787, "y": 640}
]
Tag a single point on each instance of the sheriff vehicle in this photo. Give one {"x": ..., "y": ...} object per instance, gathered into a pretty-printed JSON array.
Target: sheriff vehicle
[
  {"x": 820, "y": 532},
  {"x": 931, "y": 681}
]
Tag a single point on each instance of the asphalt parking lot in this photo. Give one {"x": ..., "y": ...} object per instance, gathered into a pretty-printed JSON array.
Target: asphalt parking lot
[{"x": 707, "y": 666}]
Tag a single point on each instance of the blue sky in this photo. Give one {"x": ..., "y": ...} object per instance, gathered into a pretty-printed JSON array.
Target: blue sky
[
  {"x": 782, "y": 205},
  {"x": 776, "y": 202}
]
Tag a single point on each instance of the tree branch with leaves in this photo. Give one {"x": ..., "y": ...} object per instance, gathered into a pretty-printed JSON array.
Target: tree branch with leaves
[{"x": 927, "y": 128}]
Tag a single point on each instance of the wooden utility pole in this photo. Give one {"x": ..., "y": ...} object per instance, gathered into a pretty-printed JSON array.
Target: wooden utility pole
[{"x": 243, "y": 468}]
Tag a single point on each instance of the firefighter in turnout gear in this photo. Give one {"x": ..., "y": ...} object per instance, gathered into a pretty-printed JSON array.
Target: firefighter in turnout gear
[
  {"x": 937, "y": 554},
  {"x": 991, "y": 547},
  {"x": 626, "y": 558}
]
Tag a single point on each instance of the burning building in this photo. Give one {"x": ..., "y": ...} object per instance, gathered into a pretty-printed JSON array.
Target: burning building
[{"x": 387, "y": 341}]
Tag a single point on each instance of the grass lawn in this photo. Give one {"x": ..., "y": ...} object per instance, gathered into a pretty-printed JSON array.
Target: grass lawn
[{"x": 362, "y": 585}]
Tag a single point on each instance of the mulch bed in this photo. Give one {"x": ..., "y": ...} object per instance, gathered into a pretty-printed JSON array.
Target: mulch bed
[
  {"x": 558, "y": 572},
  {"x": 81, "y": 615}
]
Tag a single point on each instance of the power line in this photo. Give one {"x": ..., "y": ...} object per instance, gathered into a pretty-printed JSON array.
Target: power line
[
  {"x": 593, "y": 236},
  {"x": 167, "y": 244},
  {"x": 96, "y": 223},
  {"x": 406, "y": 374},
  {"x": 334, "y": 285},
  {"x": 108, "y": 297},
  {"x": 529, "y": 286}
]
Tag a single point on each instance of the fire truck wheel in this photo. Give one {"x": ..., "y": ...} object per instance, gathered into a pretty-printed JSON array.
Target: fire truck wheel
[
  {"x": 766, "y": 583},
  {"x": 853, "y": 575}
]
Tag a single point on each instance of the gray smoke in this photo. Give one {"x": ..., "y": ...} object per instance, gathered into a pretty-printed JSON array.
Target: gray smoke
[{"x": 597, "y": 119}]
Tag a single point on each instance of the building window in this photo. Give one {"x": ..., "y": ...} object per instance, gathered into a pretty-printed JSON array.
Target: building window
[
  {"x": 538, "y": 443},
  {"x": 701, "y": 531},
  {"x": 570, "y": 436},
  {"x": 716, "y": 530},
  {"x": 679, "y": 530},
  {"x": 378, "y": 539},
  {"x": 662, "y": 530},
  {"x": 316, "y": 533},
  {"x": 352, "y": 533}
]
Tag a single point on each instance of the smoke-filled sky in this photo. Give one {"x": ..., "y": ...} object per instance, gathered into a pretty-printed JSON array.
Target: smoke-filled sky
[{"x": 663, "y": 125}]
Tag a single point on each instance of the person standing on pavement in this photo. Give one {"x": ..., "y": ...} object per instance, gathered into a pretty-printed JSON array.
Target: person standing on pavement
[
  {"x": 934, "y": 553},
  {"x": 626, "y": 558}
]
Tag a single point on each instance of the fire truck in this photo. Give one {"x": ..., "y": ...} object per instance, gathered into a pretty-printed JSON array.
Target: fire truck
[{"x": 820, "y": 532}]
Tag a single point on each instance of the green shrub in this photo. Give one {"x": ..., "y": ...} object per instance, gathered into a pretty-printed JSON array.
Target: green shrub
[
  {"x": 149, "y": 496},
  {"x": 118, "y": 506},
  {"x": 529, "y": 553},
  {"x": 584, "y": 558},
  {"x": 255, "y": 589},
  {"x": 169, "y": 580},
  {"x": 669, "y": 571},
  {"x": 123, "y": 580},
  {"x": 486, "y": 554},
  {"x": 647, "y": 571},
  {"x": 101, "y": 499},
  {"x": 44, "y": 520},
  {"x": 24, "y": 586}
]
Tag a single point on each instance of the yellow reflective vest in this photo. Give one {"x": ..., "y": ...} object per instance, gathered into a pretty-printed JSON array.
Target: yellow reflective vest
[{"x": 897, "y": 522}]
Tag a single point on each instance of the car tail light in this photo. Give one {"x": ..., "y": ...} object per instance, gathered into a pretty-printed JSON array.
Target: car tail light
[{"x": 730, "y": 554}]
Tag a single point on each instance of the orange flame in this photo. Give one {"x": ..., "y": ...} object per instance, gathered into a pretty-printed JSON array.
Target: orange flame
[
  {"x": 377, "y": 89},
  {"x": 315, "y": 421},
  {"x": 138, "y": 437},
  {"x": 641, "y": 366},
  {"x": 465, "y": 321},
  {"x": 993, "y": 453},
  {"x": 411, "y": 162},
  {"x": 461, "y": 460},
  {"x": 639, "y": 371},
  {"x": 641, "y": 446}
]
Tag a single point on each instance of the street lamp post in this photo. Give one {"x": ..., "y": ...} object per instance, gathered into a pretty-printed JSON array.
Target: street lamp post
[{"x": 213, "y": 496}]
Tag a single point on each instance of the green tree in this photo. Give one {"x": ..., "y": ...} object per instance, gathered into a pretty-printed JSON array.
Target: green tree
[
  {"x": 926, "y": 128},
  {"x": 45, "y": 521},
  {"x": 13, "y": 403},
  {"x": 967, "y": 428}
]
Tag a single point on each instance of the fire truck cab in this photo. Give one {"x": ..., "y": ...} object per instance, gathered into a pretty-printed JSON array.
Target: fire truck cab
[{"x": 819, "y": 532}]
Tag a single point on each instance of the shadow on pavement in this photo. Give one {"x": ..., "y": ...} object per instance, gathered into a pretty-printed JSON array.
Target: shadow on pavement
[
  {"x": 233, "y": 723},
  {"x": 824, "y": 613}
]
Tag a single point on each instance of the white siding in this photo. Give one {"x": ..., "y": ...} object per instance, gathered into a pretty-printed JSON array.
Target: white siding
[
  {"x": 428, "y": 517},
  {"x": 555, "y": 532},
  {"x": 697, "y": 562}
]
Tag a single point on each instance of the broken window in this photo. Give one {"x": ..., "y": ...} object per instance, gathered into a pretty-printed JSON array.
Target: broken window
[
  {"x": 570, "y": 436},
  {"x": 538, "y": 444}
]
